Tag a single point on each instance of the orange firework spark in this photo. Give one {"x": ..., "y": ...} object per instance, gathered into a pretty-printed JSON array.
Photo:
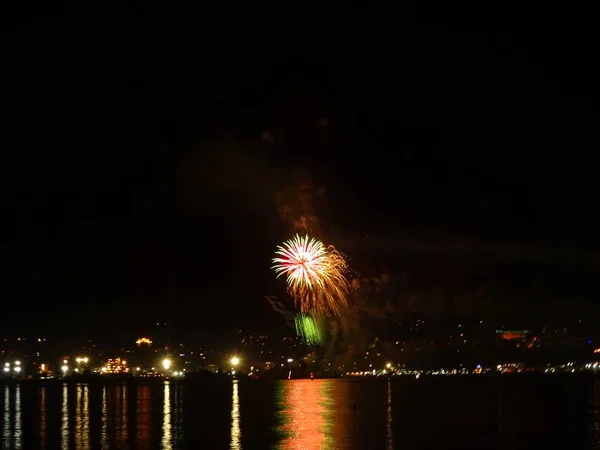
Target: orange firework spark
[{"x": 315, "y": 274}]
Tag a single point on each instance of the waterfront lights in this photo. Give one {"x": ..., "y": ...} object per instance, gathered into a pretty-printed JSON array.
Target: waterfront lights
[
  {"x": 166, "y": 363},
  {"x": 64, "y": 369},
  {"x": 235, "y": 361},
  {"x": 7, "y": 369},
  {"x": 17, "y": 363},
  {"x": 17, "y": 369}
]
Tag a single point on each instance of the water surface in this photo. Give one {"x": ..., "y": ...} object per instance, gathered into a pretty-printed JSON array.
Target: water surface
[{"x": 457, "y": 413}]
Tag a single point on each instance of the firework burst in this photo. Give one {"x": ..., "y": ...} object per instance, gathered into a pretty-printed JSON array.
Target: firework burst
[
  {"x": 315, "y": 275},
  {"x": 307, "y": 328}
]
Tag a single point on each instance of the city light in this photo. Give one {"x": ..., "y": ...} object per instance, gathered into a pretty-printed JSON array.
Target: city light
[
  {"x": 166, "y": 363},
  {"x": 388, "y": 365},
  {"x": 64, "y": 369},
  {"x": 235, "y": 361},
  {"x": 17, "y": 369},
  {"x": 17, "y": 363},
  {"x": 143, "y": 340},
  {"x": 116, "y": 365},
  {"x": 7, "y": 369}
]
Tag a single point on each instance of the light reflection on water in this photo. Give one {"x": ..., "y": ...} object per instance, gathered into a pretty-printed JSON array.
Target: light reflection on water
[
  {"x": 388, "y": 425},
  {"x": 303, "y": 414},
  {"x": 82, "y": 418},
  {"x": 166, "y": 428},
  {"x": 236, "y": 433},
  {"x": 42, "y": 418},
  {"x": 64, "y": 426},
  {"x": 143, "y": 415},
  {"x": 103, "y": 420},
  {"x": 6, "y": 423},
  {"x": 18, "y": 419},
  {"x": 331, "y": 414}
]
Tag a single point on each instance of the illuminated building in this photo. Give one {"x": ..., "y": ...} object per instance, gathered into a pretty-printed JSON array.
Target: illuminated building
[
  {"x": 144, "y": 353},
  {"x": 115, "y": 366}
]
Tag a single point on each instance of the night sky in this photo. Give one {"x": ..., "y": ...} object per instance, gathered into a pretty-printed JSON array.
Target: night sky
[{"x": 139, "y": 184}]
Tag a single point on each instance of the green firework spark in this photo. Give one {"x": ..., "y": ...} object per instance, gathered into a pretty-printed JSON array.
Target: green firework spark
[{"x": 308, "y": 329}]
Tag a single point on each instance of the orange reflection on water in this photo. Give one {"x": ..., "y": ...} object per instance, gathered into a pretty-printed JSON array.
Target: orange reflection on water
[
  {"x": 142, "y": 414},
  {"x": 43, "y": 417},
  {"x": 304, "y": 414},
  {"x": 114, "y": 422},
  {"x": 82, "y": 418},
  {"x": 388, "y": 425},
  {"x": 64, "y": 427},
  {"x": 123, "y": 416},
  {"x": 103, "y": 421}
]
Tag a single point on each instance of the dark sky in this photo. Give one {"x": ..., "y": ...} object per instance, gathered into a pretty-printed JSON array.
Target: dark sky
[{"x": 134, "y": 172}]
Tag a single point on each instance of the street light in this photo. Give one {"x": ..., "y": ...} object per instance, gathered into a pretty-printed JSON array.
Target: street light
[
  {"x": 65, "y": 369},
  {"x": 235, "y": 361},
  {"x": 166, "y": 363}
]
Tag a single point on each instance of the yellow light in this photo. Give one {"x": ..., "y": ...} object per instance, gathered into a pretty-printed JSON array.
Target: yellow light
[
  {"x": 85, "y": 360},
  {"x": 166, "y": 363},
  {"x": 235, "y": 361},
  {"x": 388, "y": 365},
  {"x": 18, "y": 363},
  {"x": 143, "y": 340},
  {"x": 64, "y": 368}
]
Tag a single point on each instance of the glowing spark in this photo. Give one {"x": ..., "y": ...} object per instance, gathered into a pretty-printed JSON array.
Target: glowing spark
[
  {"x": 315, "y": 274},
  {"x": 307, "y": 328}
]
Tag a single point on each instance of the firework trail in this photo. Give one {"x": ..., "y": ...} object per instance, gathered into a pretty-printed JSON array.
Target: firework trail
[
  {"x": 307, "y": 328},
  {"x": 315, "y": 275}
]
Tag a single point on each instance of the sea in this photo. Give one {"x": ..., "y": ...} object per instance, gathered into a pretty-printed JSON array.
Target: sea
[{"x": 431, "y": 412}]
